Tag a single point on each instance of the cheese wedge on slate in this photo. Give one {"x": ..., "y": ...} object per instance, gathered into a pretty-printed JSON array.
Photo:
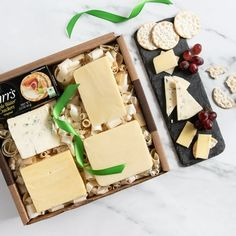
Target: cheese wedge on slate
[
  {"x": 170, "y": 91},
  {"x": 187, "y": 106},
  {"x": 99, "y": 92},
  {"x": 32, "y": 132},
  {"x": 203, "y": 146},
  {"x": 124, "y": 144},
  {"x": 165, "y": 61},
  {"x": 53, "y": 181},
  {"x": 171, "y": 70},
  {"x": 187, "y": 134}
]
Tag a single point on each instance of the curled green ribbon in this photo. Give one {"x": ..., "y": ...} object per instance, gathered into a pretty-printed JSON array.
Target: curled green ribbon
[
  {"x": 78, "y": 143},
  {"x": 110, "y": 16}
]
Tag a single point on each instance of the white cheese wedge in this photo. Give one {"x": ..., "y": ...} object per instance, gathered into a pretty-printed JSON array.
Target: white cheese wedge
[
  {"x": 171, "y": 70},
  {"x": 99, "y": 92},
  {"x": 165, "y": 61},
  {"x": 203, "y": 146},
  {"x": 170, "y": 91},
  {"x": 32, "y": 132},
  {"x": 187, "y": 134},
  {"x": 53, "y": 181},
  {"x": 187, "y": 106},
  {"x": 124, "y": 144}
]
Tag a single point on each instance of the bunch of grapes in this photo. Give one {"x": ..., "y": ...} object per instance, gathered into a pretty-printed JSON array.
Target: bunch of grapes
[
  {"x": 205, "y": 120},
  {"x": 191, "y": 60}
]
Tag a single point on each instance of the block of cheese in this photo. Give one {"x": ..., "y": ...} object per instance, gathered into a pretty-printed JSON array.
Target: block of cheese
[
  {"x": 53, "y": 181},
  {"x": 203, "y": 146},
  {"x": 165, "y": 61},
  {"x": 32, "y": 132},
  {"x": 99, "y": 92},
  {"x": 187, "y": 106},
  {"x": 124, "y": 144},
  {"x": 170, "y": 91},
  {"x": 187, "y": 134},
  {"x": 171, "y": 70}
]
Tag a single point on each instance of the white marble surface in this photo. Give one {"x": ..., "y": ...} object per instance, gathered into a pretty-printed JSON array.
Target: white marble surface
[{"x": 198, "y": 200}]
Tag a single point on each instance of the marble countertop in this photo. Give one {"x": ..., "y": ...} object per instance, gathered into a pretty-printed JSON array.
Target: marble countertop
[{"x": 197, "y": 200}]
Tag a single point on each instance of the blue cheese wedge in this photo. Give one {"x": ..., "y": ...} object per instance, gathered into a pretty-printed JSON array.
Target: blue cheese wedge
[
  {"x": 124, "y": 144},
  {"x": 53, "y": 181},
  {"x": 170, "y": 91},
  {"x": 32, "y": 132},
  {"x": 187, "y": 106}
]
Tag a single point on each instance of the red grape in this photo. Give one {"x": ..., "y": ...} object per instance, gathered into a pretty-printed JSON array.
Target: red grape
[
  {"x": 187, "y": 55},
  {"x": 203, "y": 115},
  {"x": 197, "y": 48},
  {"x": 208, "y": 124},
  {"x": 212, "y": 115},
  {"x": 193, "y": 68},
  {"x": 184, "y": 65},
  {"x": 197, "y": 60}
]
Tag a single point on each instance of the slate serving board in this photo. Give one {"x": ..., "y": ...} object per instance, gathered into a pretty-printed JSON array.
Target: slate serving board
[{"x": 196, "y": 89}]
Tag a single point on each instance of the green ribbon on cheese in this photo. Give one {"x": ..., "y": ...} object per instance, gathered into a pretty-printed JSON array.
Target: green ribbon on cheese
[
  {"x": 110, "y": 16},
  {"x": 78, "y": 143}
]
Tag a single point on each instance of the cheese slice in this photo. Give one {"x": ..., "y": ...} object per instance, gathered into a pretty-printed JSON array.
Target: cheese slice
[
  {"x": 32, "y": 132},
  {"x": 170, "y": 91},
  {"x": 187, "y": 106},
  {"x": 53, "y": 181},
  {"x": 124, "y": 144},
  {"x": 99, "y": 92},
  {"x": 171, "y": 70},
  {"x": 187, "y": 134},
  {"x": 165, "y": 61},
  {"x": 203, "y": 146}
]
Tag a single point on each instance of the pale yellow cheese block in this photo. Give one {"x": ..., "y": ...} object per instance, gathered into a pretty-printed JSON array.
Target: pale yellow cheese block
[
  {"x": 32, "y": 132},
  {"x": 99, "y": 91},
  {"x": 171, "y": 70},
  {"x": 124, "y": 144},
  {"x": 53, "y": 181},
  {"x": 165, "y": 61},
  {"x": 187, "y": 134},
  {"x": 170, "y": 91},
  {"x": 203, "y": 146}
]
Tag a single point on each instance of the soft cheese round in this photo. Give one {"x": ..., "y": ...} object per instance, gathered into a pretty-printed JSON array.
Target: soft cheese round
[
  {"x": 187, "y": 24},
  {"x": 164, "y": 35},
  {"x": 144, "y": 36},
  {"x": 222, "y": 99}
]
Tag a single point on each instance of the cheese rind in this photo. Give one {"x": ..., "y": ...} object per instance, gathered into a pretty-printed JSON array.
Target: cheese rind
[
  {"x": 203, "y": 146},
  {"x": 187, "y": 134},
  {"x": 165, "y": 61},
  {"x": 53, "y": 181},
  {"x": 124, "y": 144},
  {"x": 32, "y": 132},
  {"x": 187, "y": 106},
  {"x": 170, "y": 91},
  {"x": 99, "y": 91}
]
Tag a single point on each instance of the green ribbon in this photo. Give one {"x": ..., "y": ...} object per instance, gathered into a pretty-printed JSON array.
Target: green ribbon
[
  {"x": 110, "y": 16},
  {"x": 78, "y": 143}
]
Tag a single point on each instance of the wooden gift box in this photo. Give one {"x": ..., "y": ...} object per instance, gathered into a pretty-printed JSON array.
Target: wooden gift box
[{"x": 55, "y": 59}]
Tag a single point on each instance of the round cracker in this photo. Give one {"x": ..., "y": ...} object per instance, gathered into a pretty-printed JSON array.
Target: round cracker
[
  {"x": 187, "y": 24},
  {"x": 222, "y": 99},
  {"x": 144, "y": 36},
  {"x": 164, "y": 35}
]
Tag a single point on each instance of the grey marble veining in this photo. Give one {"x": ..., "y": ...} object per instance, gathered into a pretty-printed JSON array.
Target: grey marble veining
[{"x": 198, "y": 200}]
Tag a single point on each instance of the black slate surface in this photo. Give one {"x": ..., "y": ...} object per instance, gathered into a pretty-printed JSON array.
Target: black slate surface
[{"x": 196, "y": 89}]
